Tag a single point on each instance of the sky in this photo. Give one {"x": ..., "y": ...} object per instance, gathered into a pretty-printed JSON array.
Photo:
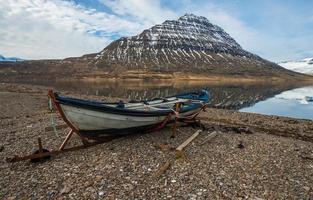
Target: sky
[{"x": 38, "y": 29}]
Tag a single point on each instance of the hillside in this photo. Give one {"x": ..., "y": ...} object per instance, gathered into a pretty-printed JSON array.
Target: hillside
[{"x": 189, "y": 44}]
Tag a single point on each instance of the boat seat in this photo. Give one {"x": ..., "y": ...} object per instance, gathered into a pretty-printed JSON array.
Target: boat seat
[{"x": 134, "y": 101}]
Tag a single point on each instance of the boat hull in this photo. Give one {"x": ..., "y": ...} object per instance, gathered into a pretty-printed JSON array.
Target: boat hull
[
  {"x": 95, "y": 119},
  {"x": 97, "y": 124}
]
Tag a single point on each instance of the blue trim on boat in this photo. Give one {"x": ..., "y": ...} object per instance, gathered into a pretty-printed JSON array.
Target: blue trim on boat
[{"x": 103, "y": 107}]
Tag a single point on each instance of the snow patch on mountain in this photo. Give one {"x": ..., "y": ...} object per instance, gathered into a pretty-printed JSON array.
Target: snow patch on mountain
[
  {"x": 303, "y": 66},
  {"x": 188, "y": 39},
  {"x": 10, "y": 59}
]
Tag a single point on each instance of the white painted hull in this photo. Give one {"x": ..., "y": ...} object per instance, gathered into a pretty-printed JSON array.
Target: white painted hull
[{"x": 85, "y": 119}]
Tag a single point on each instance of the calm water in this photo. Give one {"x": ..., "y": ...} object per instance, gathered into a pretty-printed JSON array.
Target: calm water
[
  {"x": 283, "y": 100},
  {"x": 291, "y": 103}
]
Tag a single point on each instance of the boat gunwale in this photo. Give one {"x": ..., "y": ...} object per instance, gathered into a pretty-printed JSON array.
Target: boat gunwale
[
  {"x": 102, "y": 107},
  {"x": 130, "y": 112}
]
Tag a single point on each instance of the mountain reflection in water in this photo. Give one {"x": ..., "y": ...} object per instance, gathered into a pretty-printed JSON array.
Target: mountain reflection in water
[{"x": 224, "y": 95}]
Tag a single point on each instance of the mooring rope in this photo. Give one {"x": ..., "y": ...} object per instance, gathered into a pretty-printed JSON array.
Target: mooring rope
[{"x": 52, "y": 119}]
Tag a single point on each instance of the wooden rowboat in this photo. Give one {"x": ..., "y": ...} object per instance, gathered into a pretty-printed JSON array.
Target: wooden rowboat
[
  {"x": 96, "y": 120},
  {"x": 93, "y": 119}
]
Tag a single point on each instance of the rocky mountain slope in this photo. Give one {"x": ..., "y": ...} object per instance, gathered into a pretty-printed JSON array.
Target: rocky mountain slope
[
  {"x": 189, "y": 44},
  {"x": 303, "y": 66}
]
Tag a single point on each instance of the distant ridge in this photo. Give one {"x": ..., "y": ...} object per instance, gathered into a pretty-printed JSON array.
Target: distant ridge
[
  {"x": 302, "y": 66},
  {"x": 10, "y": 59}
]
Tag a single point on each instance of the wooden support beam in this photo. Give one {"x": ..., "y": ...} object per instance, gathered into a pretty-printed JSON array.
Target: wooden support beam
[
  {"x": 68, "y": 136},
  {"x": 44, "y": 154},
  {"x": 209, "y": 137},
  {"x": 40, "y": 145},
  {"x": 177, "y": 108},
  {"x": 184, "y": 144}
]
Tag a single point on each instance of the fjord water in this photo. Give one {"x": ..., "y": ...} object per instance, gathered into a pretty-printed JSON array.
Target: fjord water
[
  {"x": 291, "y": 103},
  {"x": 266, "y": 98}
]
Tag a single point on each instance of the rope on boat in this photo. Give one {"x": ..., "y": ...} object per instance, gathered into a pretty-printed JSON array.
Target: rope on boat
[{"x": 52, "y": 119}]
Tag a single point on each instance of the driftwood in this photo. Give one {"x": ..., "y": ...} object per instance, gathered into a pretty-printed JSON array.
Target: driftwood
[
  {"x": 184, "y": 144},
  {"x": 209, "y": 137},
  {"x": 284, "y": 132},
  {"x": 179, "y": 154},
  {"x": 163, "y": 169}
]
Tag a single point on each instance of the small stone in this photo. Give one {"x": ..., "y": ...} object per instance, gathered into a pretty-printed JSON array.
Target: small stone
[
  {"x": 306, "y": 188},
  {"x": 65, "y": 190},
  {"x": 240, "y": 145},
  {"x": 101, "y": 193},
  {"x": 88, "y": 184},
  {"x": 98, "y": 178},
  {"x": 173, "y": 181}
]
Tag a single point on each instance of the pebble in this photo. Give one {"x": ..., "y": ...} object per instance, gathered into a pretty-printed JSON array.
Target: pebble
[
  {"x": 306, "y": 188},
  {"x": 65, "y": 190}
]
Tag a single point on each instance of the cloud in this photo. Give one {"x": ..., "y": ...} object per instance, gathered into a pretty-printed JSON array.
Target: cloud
[
  {"x": 147, "y": 12},
  {"x": 56, "y": 29}
]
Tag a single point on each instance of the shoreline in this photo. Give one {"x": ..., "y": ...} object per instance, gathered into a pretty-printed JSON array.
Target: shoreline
[
  {"x": 278, "y": 149},
  {"x": 144, "y": 76},
  {"x": 180, "y": 77}
]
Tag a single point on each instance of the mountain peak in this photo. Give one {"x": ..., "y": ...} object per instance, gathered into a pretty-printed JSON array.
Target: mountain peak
[
  {"x": 190, "y": 16},
  {"x": 190, "y": 43}
]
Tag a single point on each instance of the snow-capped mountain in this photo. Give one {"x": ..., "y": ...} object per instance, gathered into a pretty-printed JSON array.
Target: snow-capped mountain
[
  {"x": 191, "y": 43},
  {"x": 11, "y": 59},
  {"x": 303, "y": 66}
]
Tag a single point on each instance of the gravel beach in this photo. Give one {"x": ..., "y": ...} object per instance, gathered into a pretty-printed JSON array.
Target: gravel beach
[{"x": 252, "y": 156}]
